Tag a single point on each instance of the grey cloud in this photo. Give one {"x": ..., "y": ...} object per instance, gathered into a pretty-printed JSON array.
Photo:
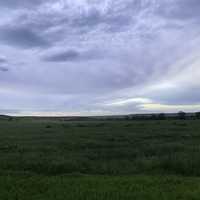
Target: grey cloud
[
  {"x": 2, "y": 60},
  {"x": 178, "y": 96},
  {"x": 180, "y": 9},
  {"x": 115, "y": 19},
  {"x": 95, "y": 18},
  {"x": 3, "y": 69},
  {"x": 99, "y": 52},
  {"x": 73, "y": 55},
  {"x": 22, "y": 37},
  {"x": 76, "y": 24},
  {"x": 70, "y": 55},
  {"x": 20, "y": 3},
  {"x": 91, "y": 18}
]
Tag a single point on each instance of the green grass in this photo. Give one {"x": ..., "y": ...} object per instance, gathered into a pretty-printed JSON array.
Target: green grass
[
  {"x": 99, "y": 188},
  {"x": 52, "y": 159}
]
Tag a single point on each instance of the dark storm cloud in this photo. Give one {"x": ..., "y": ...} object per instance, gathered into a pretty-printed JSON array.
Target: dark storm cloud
[{"x": 22, "y": 37}]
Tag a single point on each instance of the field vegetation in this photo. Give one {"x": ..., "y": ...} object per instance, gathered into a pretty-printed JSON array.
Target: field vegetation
[{"x": 99, "y": 159}]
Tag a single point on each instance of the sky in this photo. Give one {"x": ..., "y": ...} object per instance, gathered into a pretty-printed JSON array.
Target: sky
[{"x": 91, "y": 57}]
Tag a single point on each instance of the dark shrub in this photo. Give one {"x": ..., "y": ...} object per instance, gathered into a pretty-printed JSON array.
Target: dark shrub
[
  {"x": 197, "y": 115},
  {"x": 182, "y": 115},
  {"x": 161, "y": 116},
  {"x": 48, "y": 126}
]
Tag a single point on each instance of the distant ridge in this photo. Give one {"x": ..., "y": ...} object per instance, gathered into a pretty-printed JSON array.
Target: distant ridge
[
  {"x": 5, "y": 117},
  {"x": 147, "y": 116}
]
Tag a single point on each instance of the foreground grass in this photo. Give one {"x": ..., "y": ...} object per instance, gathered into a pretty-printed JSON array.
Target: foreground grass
[
  {"x": 114, "y": 159},
  {"x": 99, "y": 188},
  {"x": 105, "y": 148}
]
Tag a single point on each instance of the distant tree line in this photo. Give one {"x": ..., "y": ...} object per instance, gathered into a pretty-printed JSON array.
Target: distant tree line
[
  {"x": 162, "y": 116},
  {"x": 6, "y": 118},
  {"x": 159, "y": 116}
]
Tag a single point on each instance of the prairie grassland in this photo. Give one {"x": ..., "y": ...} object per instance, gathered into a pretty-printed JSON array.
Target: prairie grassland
[{"x": 53, "y": 159}]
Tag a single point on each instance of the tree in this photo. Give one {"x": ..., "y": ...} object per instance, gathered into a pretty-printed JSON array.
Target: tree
[
  {"x": 154, "y": 117},
  {"x": 181, "y": 115},
  {"x": 197, "y": 115},
  {"x": 161, "y": 116}
]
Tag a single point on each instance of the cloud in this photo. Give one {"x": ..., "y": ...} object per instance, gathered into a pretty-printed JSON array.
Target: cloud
[
  {"x": 111, "y": 20},
  {"x": 73, "y": 56},
  {"x": 186, "y": 95},
  {"x": 2, "y": 60},
  {"x": 180, "y": 9},
  {"x": 22, "y": 37},
  {"x": 70, "y": 55},
  {"x": 3, "y": 69},
  {"x": 20, "y": 4},
  {"x": 126, "y": 53}
]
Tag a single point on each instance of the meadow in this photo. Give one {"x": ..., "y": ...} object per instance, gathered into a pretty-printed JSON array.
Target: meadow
[{"x": 99, "y": 159}]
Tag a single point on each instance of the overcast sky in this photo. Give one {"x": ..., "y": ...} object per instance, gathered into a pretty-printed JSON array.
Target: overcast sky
[{"x": 91, "y": 57}]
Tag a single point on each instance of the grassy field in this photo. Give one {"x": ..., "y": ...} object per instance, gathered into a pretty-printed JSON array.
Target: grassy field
[{"x": 52, "y": 159}]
